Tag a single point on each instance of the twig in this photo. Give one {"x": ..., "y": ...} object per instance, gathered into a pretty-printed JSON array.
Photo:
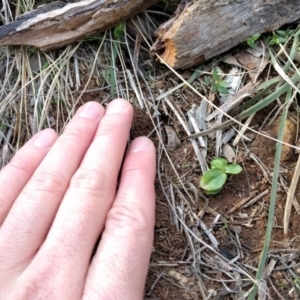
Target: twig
[
  {"x": 134, "y": 87},
  {"x": 155, "y": 283},
  {"x": 242, "y": 131},
  {"x": 184, "y": 125},
  {"x": 209, "y": 234},
  {"x": 241, "y": 203},
  {"x": 264, "y": 193},
  {"x": 274, "y": 288},
  {"x": 290, "y": 197},
  {"x": 201, "y": 286}
]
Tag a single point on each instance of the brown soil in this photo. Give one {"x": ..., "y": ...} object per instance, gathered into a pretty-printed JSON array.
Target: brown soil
[
  {"x": 171, "y": 252},
  {"x": 182, "y": 267}
]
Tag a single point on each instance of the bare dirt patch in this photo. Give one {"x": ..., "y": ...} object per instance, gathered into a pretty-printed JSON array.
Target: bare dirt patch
[
  {"x": 239, "y": 233},
  {"x": 206, "y": 247}
]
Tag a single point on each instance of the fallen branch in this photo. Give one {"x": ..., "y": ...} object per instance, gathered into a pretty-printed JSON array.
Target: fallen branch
[
  {"x": 202, "y": 29},
  {"x": 58, "y": 24}
]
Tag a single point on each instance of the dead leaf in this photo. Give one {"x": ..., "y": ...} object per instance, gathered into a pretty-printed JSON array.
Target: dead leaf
[{"x": 173, "y": 140}]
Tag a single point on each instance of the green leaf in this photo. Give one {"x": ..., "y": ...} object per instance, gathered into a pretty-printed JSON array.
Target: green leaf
[
  {"x": 213, "y": 180},
  {"x": 118, "y": 31},
  {"x": 223, "y": 84},
  {"x": 207, "y": 80},
  {"x": 233, "y": 169},
  {"x": 214, "y": 87},
  {"x": 282, "y": 33},
  {"x": 223, "y": 90},
  {"x": 282, "y": 40},
  {"x": 272, "y": 42},
  {"x": 214, "y": 192},
  {"x": 219, "y": 163},
  {"x": 215, "y": 75},
  {"x": 251, "y": 40}
]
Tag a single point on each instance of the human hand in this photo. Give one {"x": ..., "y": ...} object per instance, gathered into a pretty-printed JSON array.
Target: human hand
[{"x": 58, "y": 195}]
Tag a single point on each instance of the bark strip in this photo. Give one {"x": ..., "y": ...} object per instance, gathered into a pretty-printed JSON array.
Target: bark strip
[
  {"x": 202, "y": 29},
  {"x": 72, "y": 22}
]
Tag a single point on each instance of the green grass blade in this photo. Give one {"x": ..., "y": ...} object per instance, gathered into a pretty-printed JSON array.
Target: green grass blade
[
  {"x": 260, "y": 95},
  {"x": 269, "y": 99},
  {"x": 293, "y": 51},
  {"x": 264, "y": 254},
  {"x": 113, "y": 76}
]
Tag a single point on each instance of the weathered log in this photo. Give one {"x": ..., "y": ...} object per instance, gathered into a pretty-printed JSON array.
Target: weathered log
[
  {"x": 202, "y": 29},
  {"x": 55, "y": 26}
]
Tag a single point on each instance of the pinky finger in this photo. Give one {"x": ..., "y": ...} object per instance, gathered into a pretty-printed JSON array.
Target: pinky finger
[{"x": 15, "y": 175}]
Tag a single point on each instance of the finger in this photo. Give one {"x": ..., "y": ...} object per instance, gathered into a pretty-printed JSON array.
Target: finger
[
  {"x": 65, "y": 256},
  {"x": 119, "y": 268},
  {"x": 15, "y": 175},
  {"x": 33, "y": 212}
]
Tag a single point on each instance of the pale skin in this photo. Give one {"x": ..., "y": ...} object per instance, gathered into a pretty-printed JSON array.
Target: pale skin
[{"x": 59, "y": 194}]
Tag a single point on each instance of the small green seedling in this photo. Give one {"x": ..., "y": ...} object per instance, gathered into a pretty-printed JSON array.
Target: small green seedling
[
  {"x": 217, "y": 84},
  {"x": 214, "y": 179},
  {"x": 252, "y": 40},
  {"x": 280, "y": 37},
  {"x": 118, "y": 31},
  {"x": 297, "y": 282}
]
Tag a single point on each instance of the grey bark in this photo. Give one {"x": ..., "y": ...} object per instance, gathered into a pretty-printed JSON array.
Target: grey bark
[
  {"x": 55, "y": 27},
  {"x": 202, "y": 29}
]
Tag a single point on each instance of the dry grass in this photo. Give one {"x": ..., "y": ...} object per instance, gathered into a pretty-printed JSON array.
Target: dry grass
[{"x": 40, "y": 90}]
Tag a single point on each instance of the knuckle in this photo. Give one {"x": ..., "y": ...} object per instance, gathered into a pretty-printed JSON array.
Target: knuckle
[
  {"x": 92, "y": 292},
  {"x": 5, "y": 205},
  {"x": 20, "y": 164},
  {"x": 36, "y": 286},
  {"x": 109, "y": 128},
  {"x": 137, "y": 172},
  {"x": 90, "y": 182},
  {"x": 130, "y": 218},
  {"x": 45, "y": 281},
  {"x": 50, "y": 182},
  {"x": 30, "y": 291},
  {"x": 3, "y": 198},
  {"x": 73, "y": 134}
]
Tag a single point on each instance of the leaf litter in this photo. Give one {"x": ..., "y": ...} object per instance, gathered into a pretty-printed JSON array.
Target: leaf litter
[{"x": 206, "y": 247}]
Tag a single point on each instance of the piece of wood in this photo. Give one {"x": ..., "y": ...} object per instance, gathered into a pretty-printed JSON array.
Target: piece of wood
[
  {"x": 74, "y": 21},
  {"x": 202, "y": 29}
]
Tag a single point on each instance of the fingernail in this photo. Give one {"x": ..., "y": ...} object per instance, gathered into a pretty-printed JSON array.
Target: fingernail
[
  {"x": 90, "y": 110},
  {"x": 139, "y": 144},
  {"x": 117, "y": 106},
  {"x": 44, "y": 139}
]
